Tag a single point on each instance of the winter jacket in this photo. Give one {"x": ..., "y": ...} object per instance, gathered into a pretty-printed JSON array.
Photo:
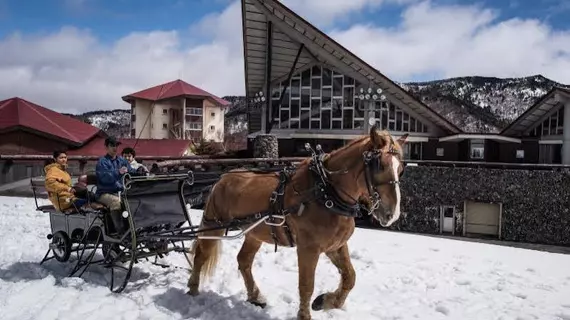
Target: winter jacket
[
  {"x": 109, "y": 179},
  {"x": 58, "y": 183}
]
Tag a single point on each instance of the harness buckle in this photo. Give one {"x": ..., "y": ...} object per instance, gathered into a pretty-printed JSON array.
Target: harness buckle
[{"x": 273, "y": 197}]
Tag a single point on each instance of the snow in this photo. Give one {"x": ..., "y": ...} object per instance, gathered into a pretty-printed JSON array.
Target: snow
[{"x": 399, "y": 276}]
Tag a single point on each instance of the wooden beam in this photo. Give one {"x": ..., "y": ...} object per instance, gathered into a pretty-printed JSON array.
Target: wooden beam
[{"x": 268, "y": 65}]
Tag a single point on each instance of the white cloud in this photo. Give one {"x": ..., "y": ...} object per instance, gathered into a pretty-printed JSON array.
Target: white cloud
[
  {"x": 461, "y": 41},
  {"x": 72, "y": 70}
]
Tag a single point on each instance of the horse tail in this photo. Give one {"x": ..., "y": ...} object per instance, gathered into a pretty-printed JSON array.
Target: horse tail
[{"x": 208, "y": 250}]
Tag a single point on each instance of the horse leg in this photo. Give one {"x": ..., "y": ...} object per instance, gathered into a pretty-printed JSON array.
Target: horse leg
[
  {"x": 245, "y": 260},
  {"x": 206, "y": 254},
  {"x": 334, "y": 300},
  {"x": 307, "y": 259}
]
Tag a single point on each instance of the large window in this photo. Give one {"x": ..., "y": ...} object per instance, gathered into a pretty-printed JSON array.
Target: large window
[
  {"x": 319, "y": 98},
  {"x": 551, "y": 126}
]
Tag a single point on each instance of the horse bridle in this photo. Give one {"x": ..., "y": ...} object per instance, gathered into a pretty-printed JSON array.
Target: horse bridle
[
  {"x": 372, "y": 166},
  {"x": 327, "y": 193}
]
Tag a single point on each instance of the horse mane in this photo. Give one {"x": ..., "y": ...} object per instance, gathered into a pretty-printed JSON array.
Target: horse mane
[{"x": 363, "y": 140}]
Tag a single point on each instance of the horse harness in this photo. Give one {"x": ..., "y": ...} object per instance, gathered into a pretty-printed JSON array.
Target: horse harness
[{"x": 324, "y": 193}]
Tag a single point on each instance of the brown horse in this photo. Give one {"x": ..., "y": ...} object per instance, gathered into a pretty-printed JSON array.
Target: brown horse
[{"x": 317, "y": 202}]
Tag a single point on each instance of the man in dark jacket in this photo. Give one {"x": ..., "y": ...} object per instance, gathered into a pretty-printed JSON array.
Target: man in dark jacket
[{"x": 109, "y": 170}]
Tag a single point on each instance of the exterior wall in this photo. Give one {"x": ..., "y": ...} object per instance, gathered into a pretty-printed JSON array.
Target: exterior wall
[
  {"x": 21, "y": 142},
  {"x": 534, "y": 202},
  {"x": 435, "y": 150},
  {"x": 161, "y": 122},
  {"x": 142, "y": 110},
  {"x": 213, "y": 122},
  {"x": 166, "y": 119}
]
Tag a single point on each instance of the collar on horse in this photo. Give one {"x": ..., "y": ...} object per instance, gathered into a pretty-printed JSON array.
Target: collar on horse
[{"x": 326, "y": 193}]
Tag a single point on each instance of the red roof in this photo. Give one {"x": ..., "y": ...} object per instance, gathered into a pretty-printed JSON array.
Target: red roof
[
  {"x": 17, "y": 112},
  {"x": 144, "y": 147},
  {"x": 173, "y": 89}
]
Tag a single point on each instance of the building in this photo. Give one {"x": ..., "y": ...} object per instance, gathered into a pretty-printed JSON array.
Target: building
[
  {"x": 320, "y": 92},
  {"x": 176, "y": 110},
  {"x": 28, "y": 128},
  {"x": 544, "y": 129},
  {"x": 143, "y": 147}
]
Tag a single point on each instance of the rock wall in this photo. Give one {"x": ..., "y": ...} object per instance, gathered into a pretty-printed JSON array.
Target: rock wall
[
  {"x": 265, "y": 146},
  {"x": 536, "y": 203}
]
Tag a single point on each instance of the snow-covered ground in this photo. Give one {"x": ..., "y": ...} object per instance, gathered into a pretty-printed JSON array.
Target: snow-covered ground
[{"x": 399, "y": 276}]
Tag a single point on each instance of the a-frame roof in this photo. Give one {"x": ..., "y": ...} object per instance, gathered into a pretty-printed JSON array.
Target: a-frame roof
[
  {"x": 17, "y": 113},
  {"x": 289, "y": 32},
  {"x": 535, "y": 114},
  {"x": 173, "y": 89}
]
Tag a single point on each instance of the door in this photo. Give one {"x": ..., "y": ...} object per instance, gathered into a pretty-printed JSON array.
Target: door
[
  {"x": 448, "y": 219},
  {"x": 482, "y": 218}
]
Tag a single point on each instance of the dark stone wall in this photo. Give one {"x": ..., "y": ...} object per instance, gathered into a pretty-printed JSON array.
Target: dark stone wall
[
  {"x": 265, "y": 146},
  {"x": 536, "y": 203}
]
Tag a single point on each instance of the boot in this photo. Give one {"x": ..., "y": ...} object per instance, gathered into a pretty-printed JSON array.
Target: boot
[{"x": 118, "y": 224}]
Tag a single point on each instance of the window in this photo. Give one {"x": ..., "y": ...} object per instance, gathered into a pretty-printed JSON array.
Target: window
[
  {"x": 194, "y": 111},
  {"x": 322, "y": 98},
  {"x": 520, "y": 154},
  {"x": 439, "y": 152},
  {"x": 193, "y": 126},
  {"x": 212, "y": 128},
  {"x": 164, "y": 126},
  {"x": 477, "y": 149},
  {"x": 164, "y": 111},
  {"x": 213, "y": 114}
]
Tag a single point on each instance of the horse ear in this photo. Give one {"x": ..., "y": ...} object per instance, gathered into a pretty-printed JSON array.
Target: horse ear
[{"x": 403, "y": 139}]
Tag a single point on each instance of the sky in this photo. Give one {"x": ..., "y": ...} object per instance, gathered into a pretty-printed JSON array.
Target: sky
[{"x": 83, "y": 55}]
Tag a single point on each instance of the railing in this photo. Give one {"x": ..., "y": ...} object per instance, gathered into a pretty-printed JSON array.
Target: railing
[{"x": 205, "y": 160}]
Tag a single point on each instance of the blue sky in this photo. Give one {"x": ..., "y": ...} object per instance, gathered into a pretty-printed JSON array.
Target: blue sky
[{"x": 112, "y": 19}]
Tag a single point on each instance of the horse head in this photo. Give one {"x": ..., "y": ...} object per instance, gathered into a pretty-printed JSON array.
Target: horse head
[
  {"x": 368, "y": 170},
  {"x": 383, "y": 162}
]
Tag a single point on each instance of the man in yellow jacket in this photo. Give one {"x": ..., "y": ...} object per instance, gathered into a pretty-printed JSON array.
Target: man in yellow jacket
[{"x": 58, "y": 184}]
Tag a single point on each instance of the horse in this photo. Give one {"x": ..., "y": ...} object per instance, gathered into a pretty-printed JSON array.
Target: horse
[{"x": 317, "y": 201}]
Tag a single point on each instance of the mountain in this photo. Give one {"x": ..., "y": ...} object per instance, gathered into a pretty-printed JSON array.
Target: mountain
[
  {"x": 115, "y": 122},
  {"x": 475, "y": 104},
  {"x": 481, "y": 104}
]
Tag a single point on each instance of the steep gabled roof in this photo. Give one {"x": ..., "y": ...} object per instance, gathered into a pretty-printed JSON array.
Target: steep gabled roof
[
  {"x": 289, "y": 31},
  {"x": 143, "y": 147},
  {"x": 173, "y": 89},
  {"x": 19, "y": 113},
  {"x": 536, "y": 112}
]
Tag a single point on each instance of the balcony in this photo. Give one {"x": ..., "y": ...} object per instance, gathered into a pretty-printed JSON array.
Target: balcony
[
  {"x": 194, "y": 112},
  {"x": 193, "y": 126}
]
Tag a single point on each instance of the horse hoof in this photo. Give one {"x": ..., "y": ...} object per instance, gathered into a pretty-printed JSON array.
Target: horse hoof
[
  {"x": 318, "y": 303},
  {"x": 262, "y": 305}
]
